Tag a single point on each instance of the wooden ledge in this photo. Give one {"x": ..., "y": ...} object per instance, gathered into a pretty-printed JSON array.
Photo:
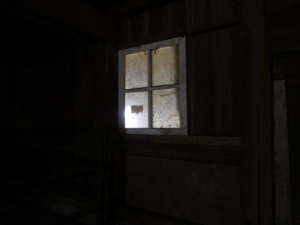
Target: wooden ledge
[{"x": 186, "y": 140}]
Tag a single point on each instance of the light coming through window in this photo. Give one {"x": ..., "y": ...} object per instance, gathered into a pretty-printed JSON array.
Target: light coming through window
[{"x": 152, "y": 88}]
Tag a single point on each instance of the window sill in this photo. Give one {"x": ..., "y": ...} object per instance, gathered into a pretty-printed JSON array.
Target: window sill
[{"x": 185, "y": 140}]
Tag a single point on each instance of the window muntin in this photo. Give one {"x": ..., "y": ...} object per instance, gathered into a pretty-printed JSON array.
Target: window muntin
[{"x": 152, "y": 88}]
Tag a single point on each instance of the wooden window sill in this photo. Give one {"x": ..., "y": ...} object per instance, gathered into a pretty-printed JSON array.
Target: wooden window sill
[{"x": 185, "y": 140}]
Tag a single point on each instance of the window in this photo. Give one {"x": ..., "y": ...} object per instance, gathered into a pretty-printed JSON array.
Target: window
[{"x": 152, "y": 88}]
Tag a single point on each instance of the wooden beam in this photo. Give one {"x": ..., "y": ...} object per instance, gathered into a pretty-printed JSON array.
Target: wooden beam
[
  {"x": 186, "y": 140},
  {"x": 74, "y": 14},
  {"x": 134, "y": 215},
  {"x": 229, "y": 155},
  {"x": 281, "y": 155},
  {"x": 135, "y": 6}
]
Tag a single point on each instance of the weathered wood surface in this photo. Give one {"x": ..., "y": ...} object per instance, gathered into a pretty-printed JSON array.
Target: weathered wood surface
[
  {"x": 197, "y": 192},
  {"x": 186, "y": 140},
  {"x": 157, "y": 23},
  {"x": 133, "y": 215},
  {"x": 210, "y": 154},
  {"x": 215, "y": 181},
  {"x": 281, "y": 155},
  {"x": 257, "y": 126},
  {"x": 221, "y": 67},
  {"x": 215, "y": 83},
  {"x": 209, "y": 14}
]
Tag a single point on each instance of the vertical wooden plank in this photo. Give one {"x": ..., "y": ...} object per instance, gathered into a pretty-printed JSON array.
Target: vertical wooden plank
[
  {"x": 229, "y": 83},
  {"x": 281, "y": 155},
  {"x": 228, "y": 11},
  {"x": 201, "y": 14},
  {"x": 175, "y": 17},
  {"x": 257, "y": 132},
  {"x": 215, "y": 83},
  {"x": 201, "y": 82},
  {"x": 150, "y": 99}
]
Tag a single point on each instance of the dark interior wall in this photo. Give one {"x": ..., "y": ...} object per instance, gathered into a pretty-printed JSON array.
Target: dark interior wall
[
  {"x": 58, "y": 99},
  {"x": 50, "y": 76},
  {"x": 190, "y": 183},
  {"x": 52, "y": 109}
]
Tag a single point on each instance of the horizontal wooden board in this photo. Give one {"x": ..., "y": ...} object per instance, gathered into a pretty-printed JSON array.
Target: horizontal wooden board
[
  {"x": 186, "y": 140},
  {"x": 196, "y": 153},
  {"x": 134, "y": 216}
]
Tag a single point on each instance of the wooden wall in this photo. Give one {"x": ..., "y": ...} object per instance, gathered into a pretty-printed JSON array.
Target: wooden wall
[
  {"x": 200, "y": 182},
  {"x": 60, "y": 95}
]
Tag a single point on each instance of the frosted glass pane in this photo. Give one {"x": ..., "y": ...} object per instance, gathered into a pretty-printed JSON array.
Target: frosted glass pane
[
  {"x": 165, "y": 66},
  {"x": 136, "y": 110},
  {"x": 136, "y": 70},
  {"x": 165, "y": 108}
]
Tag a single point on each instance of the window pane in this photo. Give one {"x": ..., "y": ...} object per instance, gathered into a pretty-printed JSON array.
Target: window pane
[
  {"x": 165, "y": 66},
  {"x": 136, "y": 70},
  {"x": 136, "y": 110},
  {"x": 165, "y": 108}
]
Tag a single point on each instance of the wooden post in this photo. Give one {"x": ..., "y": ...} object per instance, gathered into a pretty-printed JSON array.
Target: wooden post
[{"x": 281, "y": 155}]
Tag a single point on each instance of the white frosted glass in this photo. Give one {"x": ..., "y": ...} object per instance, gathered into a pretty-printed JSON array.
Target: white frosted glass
[
  {"x": 136, "y": 110},
  {"x": 165, "y": 66},
  {"x": 136, "y": 70},
  {"x": 165, "y": 108}
]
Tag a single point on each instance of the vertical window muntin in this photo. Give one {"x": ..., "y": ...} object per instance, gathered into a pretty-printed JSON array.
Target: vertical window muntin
[{"x": 177, "y": 82}]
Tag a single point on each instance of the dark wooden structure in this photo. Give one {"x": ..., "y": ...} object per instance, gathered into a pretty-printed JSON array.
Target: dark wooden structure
[{"x": 66, "y": 162}]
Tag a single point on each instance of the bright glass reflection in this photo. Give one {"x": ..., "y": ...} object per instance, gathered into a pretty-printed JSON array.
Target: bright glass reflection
[{"x": 136, "y": 110}]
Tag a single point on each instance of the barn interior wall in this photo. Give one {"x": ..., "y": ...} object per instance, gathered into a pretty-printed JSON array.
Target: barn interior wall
[
  {"x": 58, "y": 99},
  {"x": 166, "y": 182}
]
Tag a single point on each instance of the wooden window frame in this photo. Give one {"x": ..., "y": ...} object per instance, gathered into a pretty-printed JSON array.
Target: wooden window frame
[{"x": 180, "y": 42}]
